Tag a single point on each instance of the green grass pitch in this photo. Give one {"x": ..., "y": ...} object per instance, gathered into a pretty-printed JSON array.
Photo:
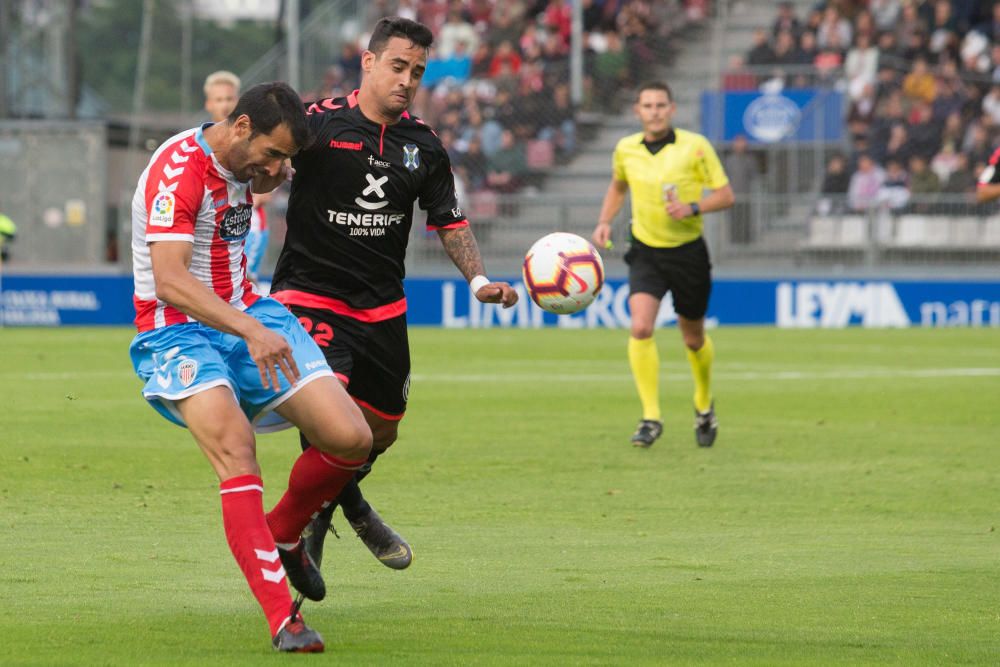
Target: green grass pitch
[{"x": 846, "y": 515}]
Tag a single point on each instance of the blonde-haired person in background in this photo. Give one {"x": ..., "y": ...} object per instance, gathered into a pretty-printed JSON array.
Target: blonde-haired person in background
[{"x": 222, "y": 89}]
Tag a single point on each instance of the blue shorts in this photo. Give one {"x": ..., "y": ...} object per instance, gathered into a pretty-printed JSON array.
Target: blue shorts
[{"x": 184, "y": 359}]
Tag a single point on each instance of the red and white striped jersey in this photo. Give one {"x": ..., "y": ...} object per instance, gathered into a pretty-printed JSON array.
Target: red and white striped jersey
[{"x": 184, "y": 194}]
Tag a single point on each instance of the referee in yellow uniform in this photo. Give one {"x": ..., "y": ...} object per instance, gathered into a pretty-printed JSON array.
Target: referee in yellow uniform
[{"x": 668, "y": 171}]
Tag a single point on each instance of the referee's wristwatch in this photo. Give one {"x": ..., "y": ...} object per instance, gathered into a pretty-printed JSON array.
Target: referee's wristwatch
[{"x": 695, "y": 209}]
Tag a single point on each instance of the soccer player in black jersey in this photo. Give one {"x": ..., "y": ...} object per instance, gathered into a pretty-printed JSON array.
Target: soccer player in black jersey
[{"x": 341, "y": 268}]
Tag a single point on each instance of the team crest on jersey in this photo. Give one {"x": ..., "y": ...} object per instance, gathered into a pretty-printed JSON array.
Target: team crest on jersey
[
  {"x": 162, "y": 212},
  {"x": 411, "y": 157},
  {"x": 187, "y": 371},
  {"x": 235, "y": 223}
]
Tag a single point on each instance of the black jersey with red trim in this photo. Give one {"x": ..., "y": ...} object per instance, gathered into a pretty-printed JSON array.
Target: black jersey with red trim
[{"x": 351, "y": 204}]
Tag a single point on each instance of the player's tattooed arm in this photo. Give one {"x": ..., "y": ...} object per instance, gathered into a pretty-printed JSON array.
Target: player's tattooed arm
[{"x": 461, "y": 246}]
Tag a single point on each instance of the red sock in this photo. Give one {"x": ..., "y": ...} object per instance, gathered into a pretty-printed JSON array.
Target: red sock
[
  {"x": 251, "y": 543},
  {"x": 316, "y": 478}
]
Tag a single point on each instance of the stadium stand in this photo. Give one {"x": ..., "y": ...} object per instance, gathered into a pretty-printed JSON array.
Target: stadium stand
[{"x": 922, "y": 82}]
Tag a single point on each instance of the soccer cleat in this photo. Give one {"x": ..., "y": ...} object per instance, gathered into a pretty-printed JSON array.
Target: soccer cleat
[
  {"x": 384, "y": 543},
  {"x": 706, "y": 426},
  {"x": 302, "y": 572},
  {"x": 315, "y": 533},
  {"x": 647, "y": 432},
  {"x": 295, "y": 636}
]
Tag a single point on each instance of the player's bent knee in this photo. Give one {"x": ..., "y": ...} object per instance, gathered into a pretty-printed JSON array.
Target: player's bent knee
[
  {"x": 350, "y": 441},
  {"x": 642, "y": 332}
]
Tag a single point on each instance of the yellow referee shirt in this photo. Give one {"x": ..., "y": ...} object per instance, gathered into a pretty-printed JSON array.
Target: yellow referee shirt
[{"x": 689, "y": 162}]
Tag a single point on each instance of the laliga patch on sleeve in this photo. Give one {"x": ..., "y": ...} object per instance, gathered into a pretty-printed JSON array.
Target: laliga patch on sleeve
[{"x": 161, "y": 213}]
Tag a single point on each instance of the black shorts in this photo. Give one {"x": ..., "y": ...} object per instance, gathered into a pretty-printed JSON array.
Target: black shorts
[
  {"x": 684, "y": 271},
  {"x": 371, "y": 358}
]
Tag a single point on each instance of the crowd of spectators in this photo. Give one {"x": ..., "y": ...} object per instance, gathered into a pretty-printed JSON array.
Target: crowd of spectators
[
  {"x": 922, "y": 81},
  {"x": 496, "y": 89}
]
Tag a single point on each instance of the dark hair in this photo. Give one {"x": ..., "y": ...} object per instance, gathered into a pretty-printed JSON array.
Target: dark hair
[
  {"x": 655, "y": 85},
  {"x": 271, "y": 104},
  {"x": 397, "y": 26}
]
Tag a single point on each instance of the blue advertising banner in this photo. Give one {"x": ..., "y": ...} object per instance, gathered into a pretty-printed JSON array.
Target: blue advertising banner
[
  {"x": 768, "y": 118},
  {"x": 107, "y": 300}
]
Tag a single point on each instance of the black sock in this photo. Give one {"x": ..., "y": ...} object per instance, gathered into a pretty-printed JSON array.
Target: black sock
[{"x": 350, "y": 499}]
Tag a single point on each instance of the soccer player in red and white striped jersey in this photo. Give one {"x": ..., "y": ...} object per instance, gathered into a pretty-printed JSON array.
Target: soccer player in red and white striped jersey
[{"x": 223, "y": 361}]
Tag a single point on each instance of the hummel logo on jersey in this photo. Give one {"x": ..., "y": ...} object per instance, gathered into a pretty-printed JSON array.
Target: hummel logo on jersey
[
  {"x": 374, "y": 186},
  {"x": 346, "y": 145}
]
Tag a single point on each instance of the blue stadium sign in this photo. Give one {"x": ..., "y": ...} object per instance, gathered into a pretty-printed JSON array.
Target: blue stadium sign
[
  {"x": 799, "y": 115},
  {"x": 107, "y": 300}
]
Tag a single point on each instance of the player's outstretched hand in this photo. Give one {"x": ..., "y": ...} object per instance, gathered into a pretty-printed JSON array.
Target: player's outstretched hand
[
  {"x": 497, "y": 293},
  {"x": 272, "y": 352}
]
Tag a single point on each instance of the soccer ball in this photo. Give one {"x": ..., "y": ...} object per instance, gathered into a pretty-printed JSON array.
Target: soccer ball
[{"x": 563, "y": 273}]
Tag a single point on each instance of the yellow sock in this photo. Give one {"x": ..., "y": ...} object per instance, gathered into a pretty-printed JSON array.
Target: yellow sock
[
  {"x": 644, "y": 359},
  {"x": 701, "y": 371}
]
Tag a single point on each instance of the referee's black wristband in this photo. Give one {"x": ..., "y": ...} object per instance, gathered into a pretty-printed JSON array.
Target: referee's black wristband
[{"x": 695, "y": 209}]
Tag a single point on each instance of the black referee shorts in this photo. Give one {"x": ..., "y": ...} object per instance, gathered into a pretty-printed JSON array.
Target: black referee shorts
[
  {"x": 372, "y": 358},
  {"x": 684, "y": 271}
]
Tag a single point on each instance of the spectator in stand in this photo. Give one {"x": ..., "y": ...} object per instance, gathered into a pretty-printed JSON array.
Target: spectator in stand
[
  {"x": 962, "y": 179},
  {"x": 899, "y": 148},
  {"x": 861, "y": 66},
  {"x": 558, "y": 19},
  {"x": 977, "y": 143},
  {"x": 919, "y": 84},
  {"x": 833, "y": 24},
  {"x": 884, "y": 13},
  {"x": 786, "y": 21},
  {"x": 505, "y": 56},
  {"x": 807, "y": 48},
  {"x": 991, "y": 104},
  {"x": 862, "y": 192},
  {"x": 861, "y": 112},
  {"x": 925, "y": 131},
  {"x": 557, "y": 120},
  {"x": 508, "y": 166},
  {"x": 916, "y": 47},
  {"x": 951, "y": 97},
  {"x": 786, "y": 50},
  {"x": 945, "y": 162},
  {"x": 924, "y": 184},
  {"x": 742, "y": 168},
  {"x": 456, "y": 30},
  {"x": 944, "y": 28},
  {"x": 474, "y": 162},
  {"x": 864, "y": 24},
  {"x": 895, "y": 190},
  {"x": 953, "y": 132},
  {"x": 889, "y": 114},
  {"x": 610, "y": 69},
  {"x": 833, "y": 191},
  {"x": 829, "y": 59},
  {"x": 350, "y": 66},
  {"x": 991, "y": 29},
  {"x": 908, "y": 24},
  {"x": 737, "y": 76},
  {"x": 761, "y": 53}
]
